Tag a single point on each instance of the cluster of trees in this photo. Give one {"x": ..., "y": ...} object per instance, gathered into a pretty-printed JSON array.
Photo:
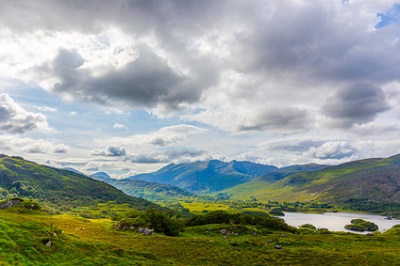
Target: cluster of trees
[
  {"x": 170, "y": 225},
  {"x": 161, "y": 222},
  {"x": 260, "y": 220},
  {"x": 390, "y": 209}
]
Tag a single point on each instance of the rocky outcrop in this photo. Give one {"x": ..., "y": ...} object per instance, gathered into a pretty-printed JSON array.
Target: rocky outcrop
[{"x": 10, "y": 203}]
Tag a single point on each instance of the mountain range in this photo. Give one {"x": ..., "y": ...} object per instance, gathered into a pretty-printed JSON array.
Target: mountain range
[
  {"x": 369, "y": 181},
  {"x": 207, "y": 176},
  {"x": 377, "y": 180}
]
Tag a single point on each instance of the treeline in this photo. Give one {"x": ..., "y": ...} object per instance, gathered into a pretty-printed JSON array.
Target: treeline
[
  {"x": 166, "y": 223},
  {"x": 389, "y": 209}
]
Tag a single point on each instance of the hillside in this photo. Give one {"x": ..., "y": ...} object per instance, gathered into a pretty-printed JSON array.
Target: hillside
[
  {"x": 376, "y": 180},
  {"x": 255, "y": 188},
  {"x": 58, "y": 187},
  {"x": 208, "y": 176},
  {"x": 144, "y": 189}
]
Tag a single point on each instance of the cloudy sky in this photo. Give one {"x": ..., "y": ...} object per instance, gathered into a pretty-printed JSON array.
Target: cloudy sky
[{"x": 129, "y": 86}]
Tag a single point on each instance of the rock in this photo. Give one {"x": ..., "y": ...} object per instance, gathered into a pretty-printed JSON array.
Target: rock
[
  {"x": 269, "y": 241},
  {"x": 48, "y": 244},
  {"x": 254, "y": 233},
  {"x": 148, "y": 232},
  {"x": 278, "y": 246},
  {"x": 283, "y": 235},
  {"x": 132, "y": 228},
  {"x": 10, "y": 203},
  {"x": 118, "y": 226},
  {"x": 226, "y": 232}
]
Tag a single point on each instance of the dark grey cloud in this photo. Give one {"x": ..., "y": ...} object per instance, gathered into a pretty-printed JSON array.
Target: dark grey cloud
[
  {"x": 272, "y": 53},
  {"x": 145, "y": 82},
  {"x": 301, "y": 146},
  {"x": 16, "y": 120},
  {"x": 310, "y": 42},
  {"x": 60, "y": 149},
  {"x": 94, "y": 15},
  {"x": 290, "y": 119},
  {"x": 37, "y": 149},
  {"x": 184, "y": 153},
  {"x": 149, "y": 158},
  {"x": 160, "y": 141},
  {"x": 358, "y": 104},
  {"x": 113, "y": 151},
  {"x": 54, "y": 15}
]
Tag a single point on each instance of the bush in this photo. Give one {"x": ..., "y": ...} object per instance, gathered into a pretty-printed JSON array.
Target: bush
[
  {"x": 216, "y": 217},
  {"x": 159, "y": 221},
  {"x": 323, "y": 231},
  {"x": 309, "y": 226},
  {"x": 260, "y": 221},
  {"x": 162, "y": 223},
  {"x": 276, "y": 212},
  {"x": 361, "y": 225}
]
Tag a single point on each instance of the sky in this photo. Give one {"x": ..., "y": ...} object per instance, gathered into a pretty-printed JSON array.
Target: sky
[{"x": 130, "y": 86}]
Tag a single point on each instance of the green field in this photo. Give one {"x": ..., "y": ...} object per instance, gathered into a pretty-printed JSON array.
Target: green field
[{"x": 25, "y": 237}]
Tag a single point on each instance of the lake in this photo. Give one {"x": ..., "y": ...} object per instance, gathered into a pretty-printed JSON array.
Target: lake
[{"x": 335, "y": 221}]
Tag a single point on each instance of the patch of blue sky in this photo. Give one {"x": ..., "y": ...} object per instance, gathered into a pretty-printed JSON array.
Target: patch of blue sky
[
  {"x": 79, "y": 116},
  {"x": 389, "y": 17}
]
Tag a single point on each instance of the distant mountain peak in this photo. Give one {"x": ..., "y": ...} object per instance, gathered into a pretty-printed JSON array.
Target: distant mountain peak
[
  {"x": 101, "y": 176},
  {"x": 206, "y": 176}
]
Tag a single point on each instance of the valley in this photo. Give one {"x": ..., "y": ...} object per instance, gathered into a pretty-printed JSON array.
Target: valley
[{"x": 66, "y": 218}]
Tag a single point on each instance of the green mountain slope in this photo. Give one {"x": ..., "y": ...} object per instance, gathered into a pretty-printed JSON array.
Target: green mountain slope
[
  {"x": 256, "y": 188},
  {"x": 58, "y": 187},
  {"x": 144, "y": 189},
  {"x": 371, "y": 179},
  {"x": 208, "y": 176}
]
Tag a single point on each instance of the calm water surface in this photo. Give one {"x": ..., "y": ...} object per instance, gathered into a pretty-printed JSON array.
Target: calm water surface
[{"x": 335, "y": 221}]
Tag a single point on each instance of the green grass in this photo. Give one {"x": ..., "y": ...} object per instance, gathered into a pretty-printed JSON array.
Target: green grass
[
  {"x": 79, "y": 241},
  {"x": 197, "y": 207}
]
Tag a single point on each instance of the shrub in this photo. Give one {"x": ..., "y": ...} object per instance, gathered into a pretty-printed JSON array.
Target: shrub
[
  {"x": 276, "y": 212},
  {"x": 260, "y": 221},
  {"x": 361, "y": 225},
  {"x": 323, "y": 231},
  {"x": 309, "y": 226},
  {"x": 162, "y": 223}
]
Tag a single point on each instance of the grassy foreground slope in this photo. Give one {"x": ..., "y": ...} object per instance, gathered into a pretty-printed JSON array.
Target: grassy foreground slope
[
  {"x": 59, "y": 188},
  {"x": 376, "y": 180},
  {"x": 34, "y": 238}
]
